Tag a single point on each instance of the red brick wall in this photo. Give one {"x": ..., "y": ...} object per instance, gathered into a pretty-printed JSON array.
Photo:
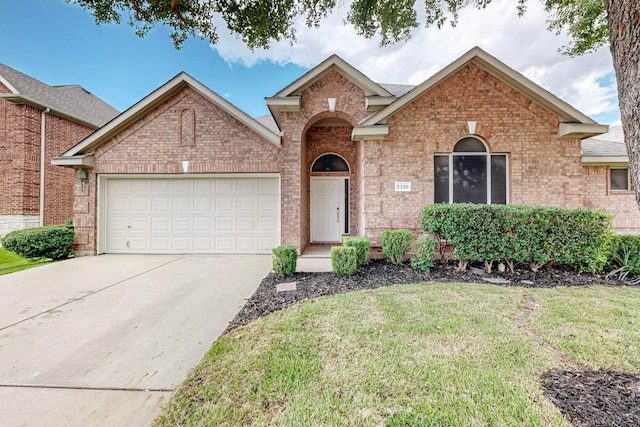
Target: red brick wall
[
  {"x": 542, "y": 168},
  {"x": 157, "y": 144},
  {"x": 622, "y": 205}
]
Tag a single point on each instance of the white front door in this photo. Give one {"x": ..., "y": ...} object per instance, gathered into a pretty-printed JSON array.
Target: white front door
[{"x": 327, "y": 209}]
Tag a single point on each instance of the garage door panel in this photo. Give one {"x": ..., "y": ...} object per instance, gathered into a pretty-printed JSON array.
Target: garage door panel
[{"x": 192, "y": 215}]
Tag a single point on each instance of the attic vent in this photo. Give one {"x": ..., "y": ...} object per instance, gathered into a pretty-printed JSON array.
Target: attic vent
[{"x": 187, "y": 128}]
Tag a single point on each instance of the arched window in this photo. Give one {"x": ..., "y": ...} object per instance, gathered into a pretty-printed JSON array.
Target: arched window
[
  {"x": 330, "y": 163},
  {"x": 470, "y": 174}
]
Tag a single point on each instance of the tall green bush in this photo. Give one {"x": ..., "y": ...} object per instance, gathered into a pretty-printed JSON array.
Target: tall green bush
[
  {"x": 537, "y": 236},
  {"x": 285, "y": 259},
  {"x": 425, "y": 249},
  {"x": 362, "y": 246},
  {"x": 54, "y": 242},
  {"x": 344, "y": 260},
  {"x": 395, "y": 244}
]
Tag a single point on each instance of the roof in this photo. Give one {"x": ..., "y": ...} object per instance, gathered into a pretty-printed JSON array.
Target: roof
[
  {"x": 268, "y": 122},
  {"x": 606, "y": 148},
  {"x": 72, "y": 102},
  {"x": 397, "y": 90},
  {"x": 81, "y": 153},
  {"x": 576, "y": 123}
]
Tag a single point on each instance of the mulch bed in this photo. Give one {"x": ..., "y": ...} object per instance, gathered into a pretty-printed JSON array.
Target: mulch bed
[{"x": 600, "y": 398}]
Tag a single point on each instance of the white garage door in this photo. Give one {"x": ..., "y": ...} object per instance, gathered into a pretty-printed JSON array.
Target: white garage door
[{"x": 191, "y": 215}]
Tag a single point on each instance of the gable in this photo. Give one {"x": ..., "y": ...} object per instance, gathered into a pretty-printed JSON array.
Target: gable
[
  {"x": 573, "y": 123},
  {"x": 82, "y": 153}
]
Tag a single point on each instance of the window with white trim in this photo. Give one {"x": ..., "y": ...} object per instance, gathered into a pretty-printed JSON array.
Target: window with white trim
[
  {"x": 470, "y": 174},
  {"x": 619, "y": 179}
]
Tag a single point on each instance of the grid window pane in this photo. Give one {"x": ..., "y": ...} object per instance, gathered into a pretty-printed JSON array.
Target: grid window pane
[
  {"x": 441, "y": 179},
  {"x": 499, "y": 179},
  {"x": 469, "y": 179},
  {"x": 619, "y": 179}
]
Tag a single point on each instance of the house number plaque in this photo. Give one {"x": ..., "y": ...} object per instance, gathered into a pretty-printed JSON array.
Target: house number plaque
[{"x": 403, "y": 186}]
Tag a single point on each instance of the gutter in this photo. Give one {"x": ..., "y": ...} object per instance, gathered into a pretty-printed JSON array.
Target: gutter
[{"x": 42, "y": 160}]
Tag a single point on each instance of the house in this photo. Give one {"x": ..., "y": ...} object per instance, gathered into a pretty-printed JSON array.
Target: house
[
  {"x": 184, "y": 171},
  {"x": 38, "y": 122}
]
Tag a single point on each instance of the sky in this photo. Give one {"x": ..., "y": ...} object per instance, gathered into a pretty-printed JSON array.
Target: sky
[{"x": 59, "y": 43}]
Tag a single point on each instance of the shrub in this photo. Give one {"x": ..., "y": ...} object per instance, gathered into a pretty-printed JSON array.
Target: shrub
[
  {"x": 54, "y": 241},
  {"x": 285, "y": 259},
  {"x": 538, "y": 236},
  {"x": 395, "y": 243},
  {"x": 618, "y": 245},
  {"x": 425, "y": 248},
  {"x": 362, "y": 246},
  {"x": 344, "y": 260}
]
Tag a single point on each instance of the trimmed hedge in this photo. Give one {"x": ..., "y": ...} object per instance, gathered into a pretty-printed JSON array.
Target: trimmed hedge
[
  {"x": 344, "y": 260},
  {"x": 425, "y": 248},
  {"x": 395, "y": 243},
  {"x": 54, "y": 241},
  {"x": 539, "y": 236},
  {"x": 285, "y": 260},
  {"x": 362, "y": 246}
]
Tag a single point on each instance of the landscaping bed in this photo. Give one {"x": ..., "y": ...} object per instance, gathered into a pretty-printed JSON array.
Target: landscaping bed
[{"x": 584, "y": 398}]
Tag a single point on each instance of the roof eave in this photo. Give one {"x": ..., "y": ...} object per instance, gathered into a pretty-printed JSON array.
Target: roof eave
[
  {"x": 76, "y": 162},
  {"x": 378, "y": 132},
  {"x": 605, "y": 160},
  {"x": 17, "y": 98},
  {"x": 581, "y": 130}
]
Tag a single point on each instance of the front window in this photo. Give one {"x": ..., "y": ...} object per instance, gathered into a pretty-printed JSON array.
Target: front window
[{"x": 470, "y": 174}]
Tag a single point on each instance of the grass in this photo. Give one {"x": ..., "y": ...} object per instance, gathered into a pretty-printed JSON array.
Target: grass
[
  {"x": 408, "y": 355},
  {"x": 11, "y": 262}
]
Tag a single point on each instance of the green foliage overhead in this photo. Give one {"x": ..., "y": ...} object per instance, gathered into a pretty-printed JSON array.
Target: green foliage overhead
[{"x": 259, "y": 22}]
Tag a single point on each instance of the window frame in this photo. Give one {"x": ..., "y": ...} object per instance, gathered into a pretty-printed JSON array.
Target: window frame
[
  {"x": 488, "y": 156},
  {"x": 609, "y": 181}
]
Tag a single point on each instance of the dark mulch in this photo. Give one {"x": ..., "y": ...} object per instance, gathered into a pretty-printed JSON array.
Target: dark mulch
[
  {"x": 602, "y": 398},
  {"x": 595, "y": 398},
  {"x": 379, "y": 273}
]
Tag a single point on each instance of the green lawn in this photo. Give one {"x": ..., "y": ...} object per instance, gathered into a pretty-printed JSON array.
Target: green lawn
[
  {"x": 421, "y": 355},
  {"x": 11, "y": 262}
]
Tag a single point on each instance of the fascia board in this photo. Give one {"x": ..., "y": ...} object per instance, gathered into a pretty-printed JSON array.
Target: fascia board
[
  {"x": 581, "y": 130},
  {"x": 606, "y": 160},
  {"x": 84, "y": 160},
  {"x": 377, "y": 132}
]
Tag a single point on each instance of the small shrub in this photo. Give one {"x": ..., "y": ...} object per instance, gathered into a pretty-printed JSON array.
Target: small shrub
[
  {"x": 344, "y": 260},
  {"x": 285, "y": 259},
  {"x": 54, "y": 242},
  {"x": 362, "y": 246},
  {"x": 425, "y": 249},
  {"x": 628, "y": 263},
  {"x": 395, "y": 243}
]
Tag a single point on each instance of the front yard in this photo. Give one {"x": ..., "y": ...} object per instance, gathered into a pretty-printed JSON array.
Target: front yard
[
  {"x": 420, "y": 354},
  {"x": 11, "y": 262}
]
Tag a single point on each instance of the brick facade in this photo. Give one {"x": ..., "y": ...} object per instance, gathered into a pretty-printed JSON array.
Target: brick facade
[
  {"x": 20, "y": 146},
  {"x": 542, "y": 168}
]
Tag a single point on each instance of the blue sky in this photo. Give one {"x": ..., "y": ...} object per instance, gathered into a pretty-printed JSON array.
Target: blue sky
[{"x": 59, "y": 43}]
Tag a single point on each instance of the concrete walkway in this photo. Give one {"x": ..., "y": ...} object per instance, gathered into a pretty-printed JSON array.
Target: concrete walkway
[
  {"x": 105, "y": 340},
  {"x": 315, "y": 259}
]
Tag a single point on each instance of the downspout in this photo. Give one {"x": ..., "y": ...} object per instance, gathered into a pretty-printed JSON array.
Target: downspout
[{"x": 42, "y": 161}]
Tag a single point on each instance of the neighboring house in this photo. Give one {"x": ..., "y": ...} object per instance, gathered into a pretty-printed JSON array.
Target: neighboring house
[
  {"x": 38, "y": 122},
  {"x": 184, "y": 171}
]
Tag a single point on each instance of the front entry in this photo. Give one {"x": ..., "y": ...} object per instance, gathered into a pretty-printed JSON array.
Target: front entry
[{"x": 328, "y": 208}]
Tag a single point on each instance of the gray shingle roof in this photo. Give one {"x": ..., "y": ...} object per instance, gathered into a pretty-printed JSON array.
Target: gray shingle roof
[
  {"x": 268, "y": 122},
  {"x": 396, "y": 90},
  {"x": 607, "y": 144},
  {"x": 71, "y": 100}
]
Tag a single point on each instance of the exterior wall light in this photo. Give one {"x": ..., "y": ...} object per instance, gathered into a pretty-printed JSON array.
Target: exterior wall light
[{"x": 82, "y": 176}]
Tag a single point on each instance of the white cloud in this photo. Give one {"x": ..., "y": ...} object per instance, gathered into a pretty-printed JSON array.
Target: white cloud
[{"x": 523, "y": 43}]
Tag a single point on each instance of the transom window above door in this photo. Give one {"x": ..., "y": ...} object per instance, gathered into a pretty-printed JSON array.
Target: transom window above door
[
  {"x": 330, "y": 163},
  {"x": 470, "y": 174}
]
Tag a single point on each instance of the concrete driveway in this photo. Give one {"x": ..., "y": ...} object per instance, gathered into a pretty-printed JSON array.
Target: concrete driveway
[{"x": 105, "y": 340}]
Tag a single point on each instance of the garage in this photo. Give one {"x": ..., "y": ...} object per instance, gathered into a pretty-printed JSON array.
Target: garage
[{"x": 175, "y": 215}]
